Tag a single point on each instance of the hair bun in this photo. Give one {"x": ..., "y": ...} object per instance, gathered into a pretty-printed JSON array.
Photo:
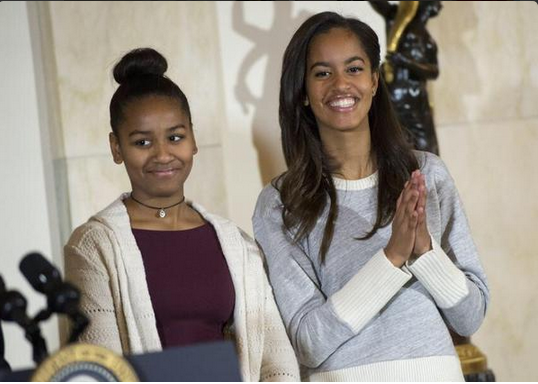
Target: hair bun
[{"x": 139, "y": 62}]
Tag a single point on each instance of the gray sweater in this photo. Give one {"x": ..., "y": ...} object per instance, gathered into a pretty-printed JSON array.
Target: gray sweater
[{"x": 356, "y": 316}]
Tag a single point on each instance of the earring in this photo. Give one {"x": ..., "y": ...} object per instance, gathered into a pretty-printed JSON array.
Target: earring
[
  {"x": 306, "y": 102},
  {"x": 373, "y": 92}
]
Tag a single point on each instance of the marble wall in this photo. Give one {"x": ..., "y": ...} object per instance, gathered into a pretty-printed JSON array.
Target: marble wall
[
  {"x": 87, "y": 38},
  {"x": 486, "y": 100}
]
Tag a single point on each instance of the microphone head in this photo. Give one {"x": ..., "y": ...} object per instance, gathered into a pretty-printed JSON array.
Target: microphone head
[
  {"x": 40, "y": 273},
  {"x": 2, "y": 285},
  {"x": 12, "y": 306},
  {"x": 65, "y": 299}
]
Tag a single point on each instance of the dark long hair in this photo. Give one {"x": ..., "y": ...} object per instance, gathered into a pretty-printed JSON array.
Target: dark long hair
[
  {"x": 140, "y": 74},
  {"x": 306, "y": 185}
]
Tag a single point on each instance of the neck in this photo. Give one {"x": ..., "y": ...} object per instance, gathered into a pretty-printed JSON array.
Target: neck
[
  {"x": 351, "y": 153},
  {"x": 159, "y": 212}
]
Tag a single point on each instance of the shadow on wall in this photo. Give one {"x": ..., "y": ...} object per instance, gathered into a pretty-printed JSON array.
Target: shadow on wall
[{"x": 269, "y": 43}]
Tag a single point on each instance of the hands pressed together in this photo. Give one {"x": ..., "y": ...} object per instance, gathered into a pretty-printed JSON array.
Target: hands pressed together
[{"x": 410, "y": 237}]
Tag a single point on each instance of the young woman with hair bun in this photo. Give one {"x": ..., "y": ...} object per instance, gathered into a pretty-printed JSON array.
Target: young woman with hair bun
[{"x": 157, "y": 271}]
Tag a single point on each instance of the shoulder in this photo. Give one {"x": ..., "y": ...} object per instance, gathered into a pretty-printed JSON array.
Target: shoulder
[
  {"x": 234, "y": 241},
  {"x": 89, "y": 235},
  {"x": 432, "y": 166},
  {"x": 268, "y": 201},
  {"x": 225, "y": 226},
  {"x": 217, "y": 221},
  {"x": 98, "y": 229}
]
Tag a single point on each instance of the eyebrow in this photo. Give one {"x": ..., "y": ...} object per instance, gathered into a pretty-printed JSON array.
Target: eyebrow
[
  {"x": 326, "y": 64},
  {"x": 141, "y": 132}
]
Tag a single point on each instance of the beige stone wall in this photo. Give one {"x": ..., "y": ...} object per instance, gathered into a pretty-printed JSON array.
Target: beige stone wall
[
  {"x": 86, "y": 39},
  {"x": 486, "y": 110}
]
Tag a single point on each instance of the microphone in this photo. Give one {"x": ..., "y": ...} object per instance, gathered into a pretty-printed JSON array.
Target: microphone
[
  {"x": 3, "y": 363},
  {"x": 13, "y": 308},
  {"x": 62, "y": 297},
  {"x": 40, "y": 273}
]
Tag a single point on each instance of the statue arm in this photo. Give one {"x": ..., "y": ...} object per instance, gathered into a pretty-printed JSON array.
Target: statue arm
[{"x": 426, "y": 71}]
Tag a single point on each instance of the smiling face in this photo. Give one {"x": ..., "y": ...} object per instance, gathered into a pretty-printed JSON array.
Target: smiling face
[
  {"x": 156, "y": 143},
  {"x": 339, "y": 81}
]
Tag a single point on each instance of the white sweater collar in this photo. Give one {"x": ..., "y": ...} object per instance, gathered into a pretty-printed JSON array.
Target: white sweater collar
[{"x": 356, "y": 185}]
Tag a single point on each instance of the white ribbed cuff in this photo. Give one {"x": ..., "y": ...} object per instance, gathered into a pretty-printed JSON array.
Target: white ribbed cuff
[
  {"x": 441, "y": 278},
  {"x": 368, "y": 291},
  {"x": 424, "y": 369}
]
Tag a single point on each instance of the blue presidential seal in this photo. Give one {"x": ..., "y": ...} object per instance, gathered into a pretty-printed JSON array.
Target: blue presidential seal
[{"x": 84, "y": 362}]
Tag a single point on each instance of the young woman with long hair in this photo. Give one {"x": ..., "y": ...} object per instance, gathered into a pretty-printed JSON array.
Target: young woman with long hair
[{"x": 368, "y": 248}]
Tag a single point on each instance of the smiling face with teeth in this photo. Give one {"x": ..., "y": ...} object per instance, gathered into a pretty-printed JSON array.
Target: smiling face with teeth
[{"x": 339, "y": 82}]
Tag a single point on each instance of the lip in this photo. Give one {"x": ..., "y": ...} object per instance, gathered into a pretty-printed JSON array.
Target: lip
[
  {"x": 164, "y": 172},
  {"x": 342, "y": 103}
]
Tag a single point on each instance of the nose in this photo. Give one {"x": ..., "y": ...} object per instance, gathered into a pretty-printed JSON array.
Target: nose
[
  {"x": 341, "y": 82},
  {"x": 162, "y": 153}
]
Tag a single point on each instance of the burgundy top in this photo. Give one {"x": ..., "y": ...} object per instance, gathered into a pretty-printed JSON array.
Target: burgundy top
[{"x": 189, "y": 283}]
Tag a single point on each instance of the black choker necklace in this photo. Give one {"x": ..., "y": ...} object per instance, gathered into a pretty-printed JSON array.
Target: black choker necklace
[{"x": 162, "y": 212}]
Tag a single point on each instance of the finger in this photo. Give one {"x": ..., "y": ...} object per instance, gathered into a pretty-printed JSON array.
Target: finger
[
  {"x": 399, "y": 210},
  {"x": 411, "y": 204},
  {"x": 399, "y": 201},
  {"x": 410, "y": 196},
  {"x": 413, "y": 220},
  {"x": 416, "y": 177},
  {"x": 425, "y": 191},
  {"x": 421, "y": 197},
  {"x": 421, "y": 204},
  {"x": 421, "y": 216},
  {"x": 403, "y": 203}
]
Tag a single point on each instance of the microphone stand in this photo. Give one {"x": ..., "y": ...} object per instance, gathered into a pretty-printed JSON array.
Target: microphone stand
[
  {"x": 13, "y": 308},
  {"x": 62, "y": 297}
]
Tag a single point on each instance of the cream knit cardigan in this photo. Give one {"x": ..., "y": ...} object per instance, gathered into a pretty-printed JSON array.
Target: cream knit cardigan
[{"x": 103, "y": 260}]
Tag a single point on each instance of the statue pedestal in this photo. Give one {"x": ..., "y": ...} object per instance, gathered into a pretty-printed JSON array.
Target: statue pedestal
[{"x": 474, "y": 363}]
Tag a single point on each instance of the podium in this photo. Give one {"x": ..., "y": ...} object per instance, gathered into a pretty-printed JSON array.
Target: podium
[{"x": 201, "y": 362}]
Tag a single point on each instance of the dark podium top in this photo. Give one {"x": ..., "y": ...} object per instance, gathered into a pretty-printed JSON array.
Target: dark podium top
[{"x": 203, "y": 362}]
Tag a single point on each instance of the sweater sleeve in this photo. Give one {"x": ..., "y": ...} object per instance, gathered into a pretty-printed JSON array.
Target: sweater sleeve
[
  {"x": 279, "y": 362},
  {"x": 318, "y": 325},
  {"x": 451, "y": 271},
  {"x": 84, "y": 268}
]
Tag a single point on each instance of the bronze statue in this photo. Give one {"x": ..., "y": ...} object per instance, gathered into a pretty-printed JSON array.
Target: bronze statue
[{"x": 411, "y": 61}]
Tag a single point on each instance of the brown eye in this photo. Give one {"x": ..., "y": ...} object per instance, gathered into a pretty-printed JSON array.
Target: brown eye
[
  {"x": 355, "y": 69},
  {"x": 176, "y": 138},
  {"x": 142, "y": 143},
  {"x": 322, "y": 74}
]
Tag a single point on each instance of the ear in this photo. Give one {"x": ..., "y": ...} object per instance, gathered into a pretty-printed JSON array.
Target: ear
[
  {"x": 115, "y": 148},
  {"x": 195, "y": 147},
  {"x": 375, "y": 82}
]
